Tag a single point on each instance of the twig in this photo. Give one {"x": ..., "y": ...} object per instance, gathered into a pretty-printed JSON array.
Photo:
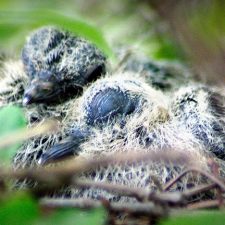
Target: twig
[
  {"x": 199, "y": 189},
  {"x": 26, "y": 133},
  {"x": 76, "y": 203},
  {"x": 66, "y": 171},
  {"x": 140, "y": 194},
  {"x": 205, "y": 205},
  {"x": 211, "y": 177},
  {"x": 215, "y": 170},
  {"x": 135, "y": 208}
]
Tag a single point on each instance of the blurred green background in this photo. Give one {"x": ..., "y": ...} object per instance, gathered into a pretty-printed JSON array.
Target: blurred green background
[
  {"x": 127, "y": 23},
  {"x": 191, "y": 31}
]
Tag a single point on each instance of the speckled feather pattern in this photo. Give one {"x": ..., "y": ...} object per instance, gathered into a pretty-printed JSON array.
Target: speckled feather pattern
[
  {"x": 202, "y": 110},
  {"x": 13, "y": 80},
  {"x": 65, "y": 56},
  {"x": 163, "y": 120},
  {"x": 133, "y": 88}
]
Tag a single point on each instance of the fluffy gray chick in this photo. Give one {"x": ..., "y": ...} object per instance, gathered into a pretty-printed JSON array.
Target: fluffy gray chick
[
  {"x": 122, "y": 114},
  {"x": 58, "y": 65},
  {"x": 125, "y": 115},
  {"x": 201, "y": 109},
  {"x": 196, "y": 110},
  {"x": 166, "y": 76}
]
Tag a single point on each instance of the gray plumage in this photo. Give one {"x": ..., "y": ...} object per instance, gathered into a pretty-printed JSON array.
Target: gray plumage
[
  {"x": 202, "y": 110},
  {"x": 109, "y": 102},
  {"x": 58, "y": 64},
  {"x": 143, "y": 120},
  {"x": 153, "y": 125},
  {"x": 166, "y": 76}
]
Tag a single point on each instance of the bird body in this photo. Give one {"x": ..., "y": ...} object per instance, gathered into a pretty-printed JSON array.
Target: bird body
[
  {"x": 152, "y": 126},
  {"x": 58, "y": 63},
  {"x": 202, "y": 110},
  {"x": 165, "y": 76},
  {"x": 121, "y": 112}
]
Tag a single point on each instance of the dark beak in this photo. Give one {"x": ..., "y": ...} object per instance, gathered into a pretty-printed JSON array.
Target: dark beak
[
  {"x": 27, "y": 100},
  {"x": 68, "y": 147},
  {"x": 39, "y": 91},
  {"x": 59, "y": 151}
]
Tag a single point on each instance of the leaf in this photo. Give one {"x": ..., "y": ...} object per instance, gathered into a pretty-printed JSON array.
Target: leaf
[
  {"x": 20, "y": 208},
  {"x": 163, "y": 48},
  {"x": 36, "y": 18},
  {"x": 210, "y": 217},
  {"x": 11, "y": 119},
  {"x": 75, "y": 217}
]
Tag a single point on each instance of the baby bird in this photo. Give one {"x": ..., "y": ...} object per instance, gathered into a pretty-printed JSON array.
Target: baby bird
[
  {"x": 196, "y": 110},
  {"x": 107, "y": 103},
  {"x": 126, "y": 115},
  {"x": 201, "y": 110},
  {"x": 59, "y": 65},
  {"x": 166, "y": 76}
]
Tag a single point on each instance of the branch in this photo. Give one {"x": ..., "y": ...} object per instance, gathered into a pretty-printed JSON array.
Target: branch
[
  {"x": 27, "y": 133},
  {"x": 141, "y": 209},
  {"x": 211, "y": 177},
  {"x": 141, "y": 194},
  {"x": 64, "y": 172},
  {"x": 205, "y": 205}
]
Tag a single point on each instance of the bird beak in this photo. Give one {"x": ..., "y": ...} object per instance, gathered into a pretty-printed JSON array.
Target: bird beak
[
  {"x": 38, "y": 91},
  {"x": 27, "y": 100},
  {"x": 29, "y": 95}
]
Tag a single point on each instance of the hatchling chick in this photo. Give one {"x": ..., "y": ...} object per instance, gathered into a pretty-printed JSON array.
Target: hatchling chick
[
  {"x": 167, "y": 76},
  {"x": 55, "y": 65},
  {"x": 198, "y": 110},
  {"x": 127, "y": 115},
  {"x": 107, "y": 104},
  {"x": 58, "y": 65},
  {"x": 13, "y": 81},
  {"x": 201, "y": 109}
]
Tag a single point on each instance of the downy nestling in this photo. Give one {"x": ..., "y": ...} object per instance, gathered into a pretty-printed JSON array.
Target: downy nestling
[
  {"x": 59, "y": 65},
  {"x": 120, "y": 112},
  {"x": 198, "y": 110},
  {"x": 127, "y": 115},
  {"x": 202, "y": 110}
]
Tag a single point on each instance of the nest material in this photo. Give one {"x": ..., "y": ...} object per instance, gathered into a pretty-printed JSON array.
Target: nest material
[{"x": 104, "y": 142}]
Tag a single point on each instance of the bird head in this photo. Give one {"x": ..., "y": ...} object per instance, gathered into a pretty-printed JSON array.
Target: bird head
[{"x": 42, "y": 88}]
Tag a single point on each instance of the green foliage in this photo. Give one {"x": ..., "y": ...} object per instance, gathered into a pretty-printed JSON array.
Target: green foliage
[
  {"x": 211, "y": 217},
  {"x": 74, "y": 217},
  {"x": 11, "y": 119},
  {"x": 21, "y": 208},
  {"x": 13, "y": 22},
  {"x": 206, "y": 22},
  {"x": 163, "y": 48}
]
